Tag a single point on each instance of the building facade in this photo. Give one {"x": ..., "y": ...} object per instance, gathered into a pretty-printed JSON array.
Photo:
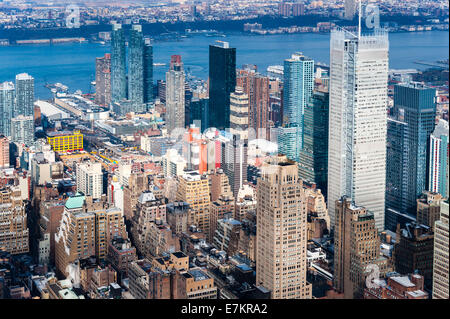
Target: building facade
[
  {"x": 357, "y": 121},
  {"x": 239, "y": 115},
  {"x": 14, "y": 233},
  {"x": 413, "y": 251},
  {"x": 222, "y": 81},
  {"x": 148, "y": 71},
  {"x": 256, "y": 86},
  {"x": 65, "y": 141},
  {"x": 414, "y": 105},
  {"x": 22, "y": 130},
  {"x": 297, "y": 91},
  {"x": 90, "y": 179},
  {"x": 103, "y": 80},
  {"x": 440, "y": 255},
  {"x": 193, "y": 189},
  {"x": 7, "y": 107},
  {"x": 118, "y": 64},
  {"x": 313, "y": 165},
  {"x": 24, "y": 95},
  {"x": 136, "y": 69},
  {"x": 438, "y": 159},
  {"x": 175, "y": 102},
  {"x": 356, "y": 247},
  {"x": 282, "y": 231}
]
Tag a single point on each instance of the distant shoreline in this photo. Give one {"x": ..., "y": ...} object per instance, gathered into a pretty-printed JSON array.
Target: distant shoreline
[
  {"x": 81, "y": 40},
  {"x": 180, "y": 29}
]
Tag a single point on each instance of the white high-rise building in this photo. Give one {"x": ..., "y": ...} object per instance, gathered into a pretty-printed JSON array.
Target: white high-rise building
[
  {"x": 358, "y": 120},
  {"x": 175, "y": 101},
  {"x": 90, "y": 179},
  {"x": 438, "y": 159}
]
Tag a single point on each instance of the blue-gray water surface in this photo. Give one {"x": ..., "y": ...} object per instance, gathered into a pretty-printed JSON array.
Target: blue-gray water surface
[{"x": 73, "y": 64}]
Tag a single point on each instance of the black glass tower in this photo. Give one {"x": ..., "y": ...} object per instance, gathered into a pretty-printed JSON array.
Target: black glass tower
[{"x": 222, "y": 81}]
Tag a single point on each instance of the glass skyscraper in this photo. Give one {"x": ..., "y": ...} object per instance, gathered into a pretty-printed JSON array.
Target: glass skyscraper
[
  {"x": 148, "y": 71},
  {"x": 222, "y": 81},
  {"x": 175, "y": 95},
  {"x": 414, "y": 106},
  {"x": 396, "y": 173},
  {"x": 24, "y": 95},
  {"x": 298, "y": 87},
  {"x": 22, "y": 130},
  {"x": 118, "y": 64},
  {"x": 136, "y": 69},
  {"x": 199, "y": 112},
  {"x": 313, "y": 164},
  {"x": 7, "y": 95}
]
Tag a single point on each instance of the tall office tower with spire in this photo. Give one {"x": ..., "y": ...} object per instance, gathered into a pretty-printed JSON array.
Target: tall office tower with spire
[
  {"x": 256, "y": 86},
  {"x": 357, "y": 120},
  {"x": 282, "y": 230},
  {"x": 103, "y": 80},
  {"x": 409, "y": 130},
  {"x": 438, "y": 159},
  {"x": 175, "y": 85},
  {"x": 148, "y": 71},
  {"x": 118, "y": 64},
  {"x": 441, "y": 255},
  {"x": 222, "y": 81},
  {"x": 298, "y": 88},
  {"x": 136, "y": 69},
  {"x": 7, "y": 106},
  {"x": 24, "y": 95}
]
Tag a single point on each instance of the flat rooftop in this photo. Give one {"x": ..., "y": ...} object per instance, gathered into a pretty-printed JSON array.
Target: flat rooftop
[{"x": 61, "y": 133}]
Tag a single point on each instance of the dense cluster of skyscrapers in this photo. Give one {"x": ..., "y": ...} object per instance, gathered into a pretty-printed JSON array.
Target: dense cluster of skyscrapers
[{"x": 347, "y": 169}]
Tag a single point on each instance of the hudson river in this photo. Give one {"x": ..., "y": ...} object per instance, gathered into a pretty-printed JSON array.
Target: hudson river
[{"x": 74, "y": 64}]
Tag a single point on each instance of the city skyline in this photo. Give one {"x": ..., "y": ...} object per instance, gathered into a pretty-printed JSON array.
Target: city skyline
[{"x": 295, "y": 180}]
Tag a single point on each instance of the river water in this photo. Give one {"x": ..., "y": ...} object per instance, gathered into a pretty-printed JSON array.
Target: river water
[{"x": 73, "y": 64}]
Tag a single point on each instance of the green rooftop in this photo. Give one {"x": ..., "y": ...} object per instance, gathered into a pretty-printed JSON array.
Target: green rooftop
[{"x": 76, "y": 201}]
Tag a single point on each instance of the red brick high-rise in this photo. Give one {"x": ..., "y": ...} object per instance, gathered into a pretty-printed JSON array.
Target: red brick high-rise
[{"x": 256, "y": 86}]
